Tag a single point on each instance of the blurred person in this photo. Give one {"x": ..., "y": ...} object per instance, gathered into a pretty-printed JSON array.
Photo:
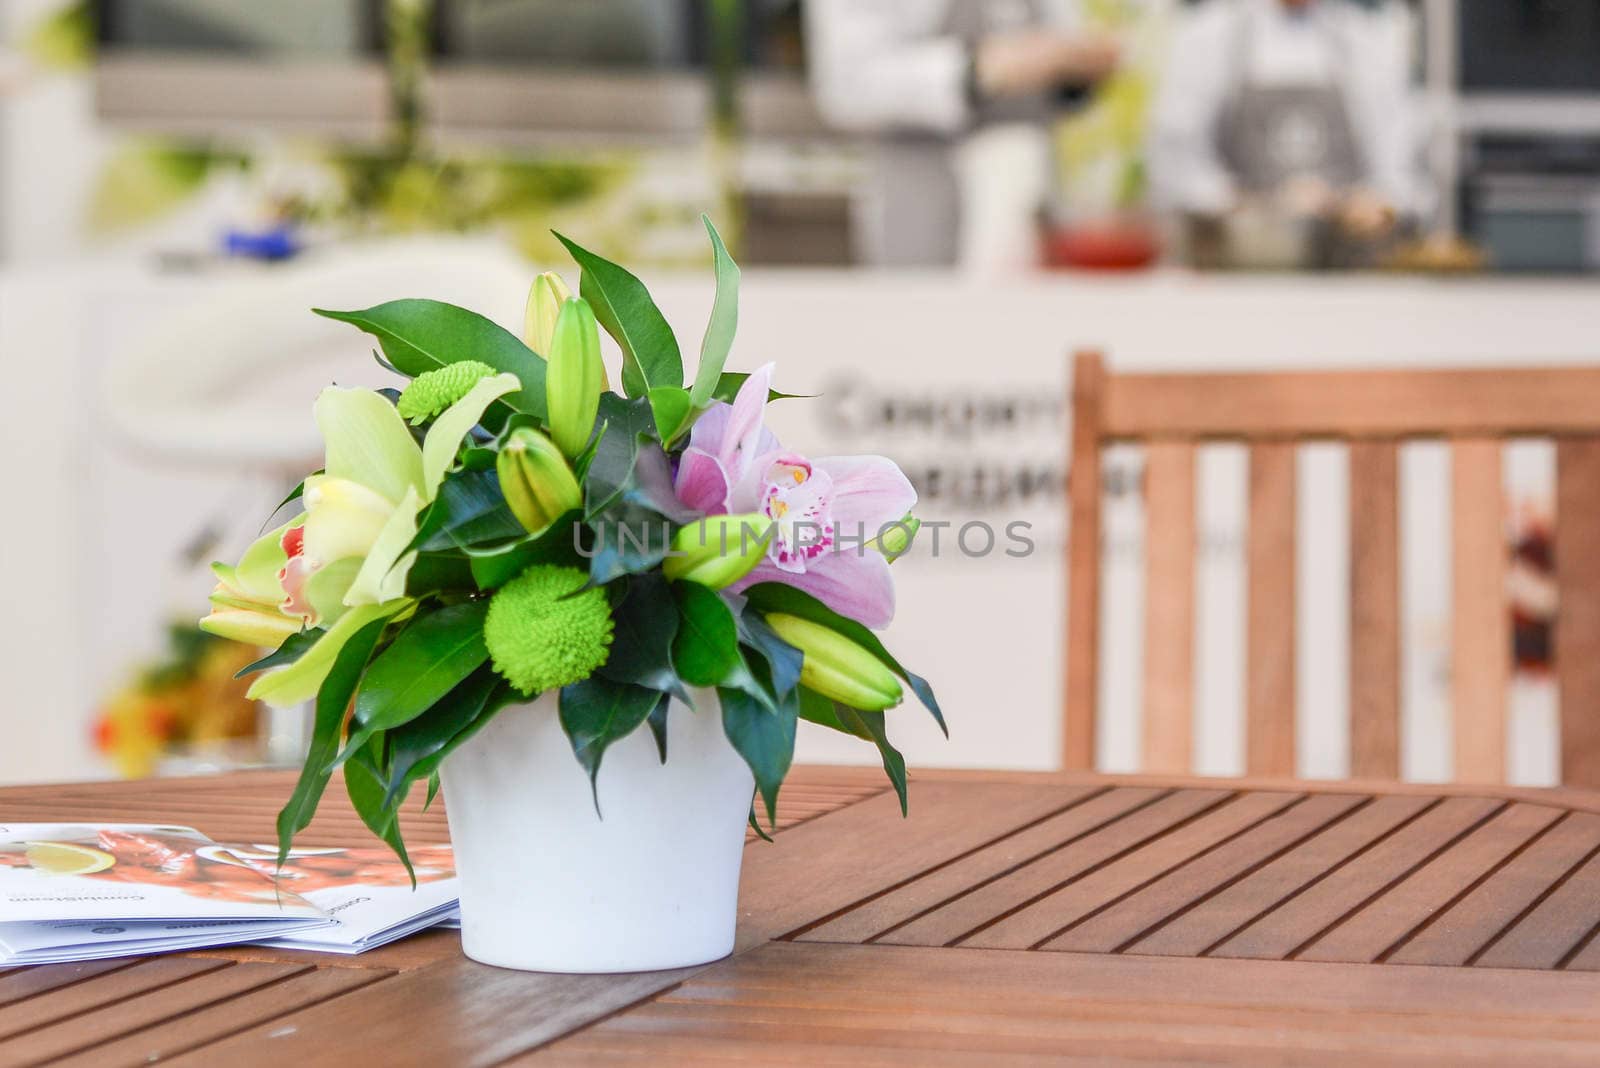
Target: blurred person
[
  {"x": 1286, "y": 125},
  {"x": 961, "y": 94}
]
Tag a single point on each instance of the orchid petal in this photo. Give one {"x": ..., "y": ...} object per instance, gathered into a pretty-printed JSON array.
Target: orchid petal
[
  {"x": 299, "y": 681},
  {"x": 251, "y": 626},
  {"x": 701, "y": 483},
  {"x": 324, "y": 590},
  {"x": 444, "y": 437},
  {"x": 856, "y": 585},
  {"x": 868, "y": 492},
  {"x": 382, "y": 577},
  {"x": 368, "y": 442},
  {"x": 343, "y": 518},
  {"x": 257, "y": 574},
  {"x": 741, "y": 437}
]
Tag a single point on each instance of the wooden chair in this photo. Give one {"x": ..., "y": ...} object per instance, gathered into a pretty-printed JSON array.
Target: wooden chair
[{"x": 1475, "y": 411}]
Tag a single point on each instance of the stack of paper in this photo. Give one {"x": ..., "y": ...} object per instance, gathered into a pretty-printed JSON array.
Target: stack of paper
[{"x": 79, "y": 892}]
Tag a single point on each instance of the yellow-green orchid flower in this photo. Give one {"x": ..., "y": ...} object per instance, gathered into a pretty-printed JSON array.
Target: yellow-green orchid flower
[
  {"x": 344, "y": 562},
  {"x": 248, "y": 602}
]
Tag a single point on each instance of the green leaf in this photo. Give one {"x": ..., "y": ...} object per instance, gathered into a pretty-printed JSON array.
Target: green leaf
[
  {"x": 650, "y": 355},
  {"x": 764, "y": 737},
  {"x": 871, "y": 725},
  {"x": 597, "y": 712},
  {"x": 292, "y": 649},
  {"x": 657, "y": 722},
  {"x": 629, "y": 540},
  {"x": 777, "y": 597},
  {"x": 641, "y": 645},
  {"x": 705, "y": 650},
  {"x": 815, "y": 708},
  {"x": 783, "y": 660},
  {"x": 428, "y": 734},
  {"x": 363, "y": 782},
  {"x": 469, "y": 510},
  {"x": 433, "y": 572},
  {"x": 427, "y": 661},
  {"x": 755, "y": 824},
  {"x": 670, "y": 406},
  {"x": 333, "y": 701},
  {"x": 494, "y": 567},
  {"x": 423, "y": 335},
  {"x": 718, "y": 339},
  {"x": 728, "y": 384}
]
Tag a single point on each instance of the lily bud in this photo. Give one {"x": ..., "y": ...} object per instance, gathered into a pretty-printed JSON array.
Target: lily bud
[
  {"x": 545, "y": 298},
  {"x": 538, "y": 485},
  {"x": 897, "y": 537},
  {"x": 719, "y": 550},
  {"x": 575, "y": 377},
  {"x": 836, "y": 667}
]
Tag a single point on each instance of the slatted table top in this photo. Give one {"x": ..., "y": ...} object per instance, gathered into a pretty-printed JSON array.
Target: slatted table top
[{"x": 1013, "y": 919}]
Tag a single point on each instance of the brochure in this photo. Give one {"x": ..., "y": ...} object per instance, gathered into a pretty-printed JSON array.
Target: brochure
[{"x": 81, "y": 892}]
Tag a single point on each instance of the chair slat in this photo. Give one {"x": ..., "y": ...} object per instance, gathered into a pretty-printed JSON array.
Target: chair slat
[
  {"x": 1374, "y": 610},
  {"x": 1270, "y": 639},
  {"x": 1169, "y": 479},
  {"x": 1480, "y": 642},
  {"x": 1083, "y": 564},
  {"x": 1577, "y": 546}
]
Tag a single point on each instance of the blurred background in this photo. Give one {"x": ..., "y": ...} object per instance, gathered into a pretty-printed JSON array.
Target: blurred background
[{"x": 935, "y": 201}]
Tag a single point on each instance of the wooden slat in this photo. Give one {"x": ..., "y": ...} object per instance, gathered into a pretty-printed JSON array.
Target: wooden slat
[
  {"x": 190, "y": 1030},
  {"x": 838, "y": 1004},
  {"x": 1461, "y": 931},
  {"x": 1557, "y": 925},
  {"x": 1169, "y": 480},
  {"x": 1480, "y": 642},
  {"x": 1056, "y": 913},
  {"x": 1270, "y": 629},
  {"x": 887, "y": 911},
  {"x": 1127, "y": 920},
  {"x": 1344, "y": 404},
  {"x": 1578, "y": 624},
  {"x": 1281, "y": 932},
  {"x": 969, "y": 913},
  {"x": 1237, "y": 905},
  {"x": 19, "y": 983},
  {"x": 87, "y": 1032},
  {"x": 1368, "y": 933},
  {"x": 1374, "y": 610},
  {"x": 1083, "y": 565},
  {"x": 102, "y": 990}
]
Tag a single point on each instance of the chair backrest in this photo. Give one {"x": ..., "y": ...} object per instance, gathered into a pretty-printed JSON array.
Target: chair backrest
[{"x": 1475, "y": 411}]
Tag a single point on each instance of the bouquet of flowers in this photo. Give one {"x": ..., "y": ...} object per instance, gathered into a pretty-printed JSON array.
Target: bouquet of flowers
[{"x": 506, "y": 525}]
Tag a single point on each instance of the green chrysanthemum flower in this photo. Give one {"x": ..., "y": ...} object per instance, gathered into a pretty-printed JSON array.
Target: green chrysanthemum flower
[
  {"x": 433, "y": 391},
  {"x": 542, "y": 639}
]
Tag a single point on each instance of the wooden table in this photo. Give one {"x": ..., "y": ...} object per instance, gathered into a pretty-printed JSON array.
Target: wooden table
[{"x": 1013, "y": 919}]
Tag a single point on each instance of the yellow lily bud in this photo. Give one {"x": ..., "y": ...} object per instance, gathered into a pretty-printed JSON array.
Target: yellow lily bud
[
  {"x": 837, "y": 667},
  {"x": 575, "y": 377},
  {"x": 538, "y": 485},
  {"x": 719, "y": 550},
  {"x": 896, "y": 539},
  {"x": 545, "y": 298}
]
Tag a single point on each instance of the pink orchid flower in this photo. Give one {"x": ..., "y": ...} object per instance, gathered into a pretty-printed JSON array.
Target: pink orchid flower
[{"x": 824, "y": 510}]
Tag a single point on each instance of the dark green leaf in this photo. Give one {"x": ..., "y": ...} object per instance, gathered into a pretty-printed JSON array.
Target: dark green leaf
[
  {"x": 728, "y": 387},
  {"x": 705, "y": 651},
  {"x": 333, "y": 701},
  {"x": 650, "y": 355},
  {"x": 815, "y": 708},
  {"x": 718, "y": 339},
  {"x": 496, "y": 566},
  {"x": 783, "y": 660},
  {"x": 432, "y": 572},
  {"x": 423, "y": 335},
  {"x": 777, "y": 597},
  {"x": 427, "y": 661},
  {"x": 658, "y": 724},
  {"x": 871, "y": 725},
  {"x": 597, "y": 712},
  {"x": 641, "y": 646},
  {"x": 764, "y": 737},
  {"x": 292, "y": 649},
  {"x": 363, "y": 781},
  {"x": 430, "y": 732},
  {"x": 755, "y": 824},
  {"x": 469, "y": 510},
  {"x": 628, "y": 540}
]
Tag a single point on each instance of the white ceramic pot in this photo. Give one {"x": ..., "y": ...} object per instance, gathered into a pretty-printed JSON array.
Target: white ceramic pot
[{"x": 650, "y": 882}]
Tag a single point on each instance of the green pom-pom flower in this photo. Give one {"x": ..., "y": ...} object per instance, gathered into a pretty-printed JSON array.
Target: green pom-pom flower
[
  {"x": 433, "y": 391},
  {"x": 539, "y": 637}
]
